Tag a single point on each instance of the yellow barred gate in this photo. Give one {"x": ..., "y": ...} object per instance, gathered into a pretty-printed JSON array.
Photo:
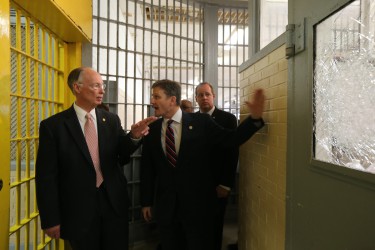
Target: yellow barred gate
[
  {"x": 36, "y": 92},
  {"x": 40, "y": 43}
]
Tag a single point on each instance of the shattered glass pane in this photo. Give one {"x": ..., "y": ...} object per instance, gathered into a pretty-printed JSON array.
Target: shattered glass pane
[{"x": 344, "y": 87}]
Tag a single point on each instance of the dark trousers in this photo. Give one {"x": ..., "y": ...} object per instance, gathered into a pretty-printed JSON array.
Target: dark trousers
[
  {"x": 184, "y": 234},
  {"x": 108, "y": 230},
  {"x": 219, "y": 223}
]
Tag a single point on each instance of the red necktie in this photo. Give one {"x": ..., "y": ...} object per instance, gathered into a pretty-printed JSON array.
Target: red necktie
[
  {"x": 92, "y": 144},
  {"x": 170, "y": 147}
]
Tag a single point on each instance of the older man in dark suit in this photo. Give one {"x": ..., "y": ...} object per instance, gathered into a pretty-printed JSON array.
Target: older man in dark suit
[
  {"x": 81, "y": 192},
  {"x": 176, "y": 172}
]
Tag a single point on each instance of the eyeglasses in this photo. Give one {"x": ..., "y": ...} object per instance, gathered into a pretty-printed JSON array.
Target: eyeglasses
[{"x": 96, "y": 86}]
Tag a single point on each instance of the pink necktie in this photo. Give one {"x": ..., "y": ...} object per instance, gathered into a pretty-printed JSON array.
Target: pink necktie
[
  {"x": 92, "y": 143},
  {"x": 170, "y": 147}
]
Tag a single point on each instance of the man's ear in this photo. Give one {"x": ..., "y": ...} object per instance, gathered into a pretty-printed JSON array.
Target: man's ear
[
  {"x": 174, "y": 99},
  {"x": 76, "y": 87}
]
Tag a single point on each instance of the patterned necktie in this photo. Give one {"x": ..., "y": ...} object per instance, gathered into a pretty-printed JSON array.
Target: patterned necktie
[
  {"x": 92, "y": 144},
  {"x": 170, "y": 147}
]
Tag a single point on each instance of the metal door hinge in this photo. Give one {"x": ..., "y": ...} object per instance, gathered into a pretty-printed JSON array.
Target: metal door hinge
[{"x": 295, "y": 39}]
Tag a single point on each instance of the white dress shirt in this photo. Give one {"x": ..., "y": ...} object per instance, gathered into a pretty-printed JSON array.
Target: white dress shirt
[{"x": 81, "y": 114}]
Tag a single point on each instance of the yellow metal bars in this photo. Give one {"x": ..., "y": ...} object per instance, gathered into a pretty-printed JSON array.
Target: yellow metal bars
[
  {"x": 36, "y": 93},
  {"x": 4, "y": 122}
]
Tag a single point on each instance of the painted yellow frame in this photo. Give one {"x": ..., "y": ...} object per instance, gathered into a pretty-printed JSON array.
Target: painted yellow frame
[
  {"x": 32, "y": 89},
  {"x": 4, "y": 122}
]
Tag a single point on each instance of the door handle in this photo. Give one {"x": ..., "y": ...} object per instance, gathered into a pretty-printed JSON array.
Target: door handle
[{"x": 1, "y": 184}]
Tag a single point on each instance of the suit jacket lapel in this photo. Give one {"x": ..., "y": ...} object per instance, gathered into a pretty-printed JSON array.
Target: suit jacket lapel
[
  {"x": 75, "y": 129},
  {"x": 101, "y": 124},
  {"x": 157, "y": 139},
  {"x": 215, "y": 113},
  {"x": 186, "y": 128}
]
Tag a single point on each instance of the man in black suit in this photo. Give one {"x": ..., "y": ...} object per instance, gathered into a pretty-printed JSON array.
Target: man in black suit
[
  {"x": 183, "y": 188},
  {"x": 224, "y": 160},
  {"x": 81, "y": 192}
]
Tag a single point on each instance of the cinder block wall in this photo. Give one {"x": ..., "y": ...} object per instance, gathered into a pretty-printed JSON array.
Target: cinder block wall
[{"x": 262, "y": 181}]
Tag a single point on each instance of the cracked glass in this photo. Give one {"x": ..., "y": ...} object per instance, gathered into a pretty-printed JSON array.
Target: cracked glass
[{"x": 344, "y": 87}]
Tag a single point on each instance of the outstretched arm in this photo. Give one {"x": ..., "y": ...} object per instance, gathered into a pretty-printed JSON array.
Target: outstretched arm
[{"x": 254, "y": 122}]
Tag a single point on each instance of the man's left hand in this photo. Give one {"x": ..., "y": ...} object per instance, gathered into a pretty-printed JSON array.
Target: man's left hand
[{"x": 141, "y": 128}]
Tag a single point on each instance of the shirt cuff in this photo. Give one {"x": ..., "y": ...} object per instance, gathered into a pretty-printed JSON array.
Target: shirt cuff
[
  {"x": 258, "y": 122},
  {"x": 135, "y": 141},
  {"x": 225, "y": 187}
]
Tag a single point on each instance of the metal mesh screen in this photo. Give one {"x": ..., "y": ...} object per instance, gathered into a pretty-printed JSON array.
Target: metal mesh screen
[
  {"x": 232, "y": 52},
  {"x": 136, "y": 43}
]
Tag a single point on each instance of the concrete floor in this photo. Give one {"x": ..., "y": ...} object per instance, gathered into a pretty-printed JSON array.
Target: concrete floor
[
  {"x": 229, "y": 237},
  {"x": 230, "y": 233}
]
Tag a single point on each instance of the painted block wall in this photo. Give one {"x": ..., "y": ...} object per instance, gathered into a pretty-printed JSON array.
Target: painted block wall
[{"x": 262, "y": 174}]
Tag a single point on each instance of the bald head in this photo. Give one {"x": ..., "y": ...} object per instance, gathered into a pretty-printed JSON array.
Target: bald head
[{"x": 187, "y": 106}]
